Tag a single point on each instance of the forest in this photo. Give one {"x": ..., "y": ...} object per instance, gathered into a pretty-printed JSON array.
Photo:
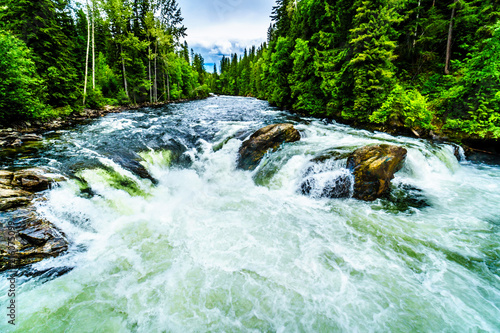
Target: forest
[
  {"x": 60, "y": 56},
  {"x": 424, "y": 65}
]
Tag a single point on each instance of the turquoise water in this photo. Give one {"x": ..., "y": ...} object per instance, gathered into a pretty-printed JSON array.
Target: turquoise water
[{"x": 208, "y": 247}]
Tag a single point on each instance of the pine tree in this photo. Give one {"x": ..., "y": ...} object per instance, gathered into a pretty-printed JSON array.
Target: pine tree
[
  {"x": 373, "y": 41},
  {"x": 48, "y": 30}
]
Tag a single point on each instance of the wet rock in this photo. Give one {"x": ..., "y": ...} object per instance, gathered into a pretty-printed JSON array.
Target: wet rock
[
  {"x": 405, "y": 198},
  {"x": 18, "y": 188},
  {"x": 335, "y": 154},
  {"x": 6, "y": 177},
  {"x": 33, "y": 180},
  {"x": 17, "y": 143},
  {"x": 373, "y": 168},
  {"x": 135, "y": 167},
  {"x": 11, "y": 198},
  {"x": 31, "y": 137},
  {"x": 333, "y": 184},
  {"x": 327, "y": 176},
  {"x": 265, "y": 139},
  {"x": 26, "y": 238}
]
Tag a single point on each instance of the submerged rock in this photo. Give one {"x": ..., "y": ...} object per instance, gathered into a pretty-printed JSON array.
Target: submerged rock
[
  {"x": 265, "y": 139},
  {"x": 26, "y": 238},
  {"x": 405, "y": 198},
  {"x": 373, "y": 168},
  {"x": 330, "y": 184},
  {"x": 327, "y": 176},
  {"x": 135, "y": 167}
]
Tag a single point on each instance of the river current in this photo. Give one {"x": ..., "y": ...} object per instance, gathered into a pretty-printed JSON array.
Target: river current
[{"x": 168, "y": 236}]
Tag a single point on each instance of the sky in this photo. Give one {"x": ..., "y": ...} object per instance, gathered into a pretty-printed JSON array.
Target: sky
[{"x": 221, "y": 27}]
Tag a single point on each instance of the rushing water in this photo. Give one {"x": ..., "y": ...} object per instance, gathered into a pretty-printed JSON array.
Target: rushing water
[{"x": 206, "y": 247}]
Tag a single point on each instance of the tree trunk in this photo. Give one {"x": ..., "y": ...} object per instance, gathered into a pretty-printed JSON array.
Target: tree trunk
[
  {"x": 149, "y": 73},
  {"x": 93, "y": 46},
  {"x": 164, "y": 86},
  {"x": 124, "y": 71},
  {"x": 416, "y": 24},
  {"x": 168, "y": 87},
  {"x": 87, "y": 55},
  {"x": 448, "y": 44},
  {"x": 168, "y": 81},
  {"x": 155, "y": 87}
]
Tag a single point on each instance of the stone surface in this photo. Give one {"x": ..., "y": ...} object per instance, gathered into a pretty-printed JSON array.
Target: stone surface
[
  {"x": 11, "y": 198},
  {"x": 31, "y": 137},
  {"x": 265, "y": 139},
  {"x": 17, "y": 188},
  {"x": 33, "y": 180},
  {"x": 26, "y": 238},
  {"x": 373, "y": 168},
  {"x": 332, "y": 184}
]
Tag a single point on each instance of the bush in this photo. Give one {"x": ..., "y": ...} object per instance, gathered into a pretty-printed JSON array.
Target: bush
[
  {"x": 95, "y": 99},
  {"x": 122, "y": 98},
  {"x": 405, "y": 106}
]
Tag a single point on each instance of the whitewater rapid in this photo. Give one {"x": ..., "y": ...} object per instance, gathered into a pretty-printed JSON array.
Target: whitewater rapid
[{"x": 210, "y": 248}]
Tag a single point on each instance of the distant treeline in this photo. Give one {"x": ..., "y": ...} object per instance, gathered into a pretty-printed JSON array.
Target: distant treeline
[
  {"x": 57, "y": 56},
  {"x": 421, "y": 64}
]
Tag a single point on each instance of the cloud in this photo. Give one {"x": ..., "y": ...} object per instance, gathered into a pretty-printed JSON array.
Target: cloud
[{"x": 222, "y": 27}]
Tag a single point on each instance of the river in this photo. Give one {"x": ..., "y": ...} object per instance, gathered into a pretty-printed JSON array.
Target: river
[{"x": 206, "y": 247}]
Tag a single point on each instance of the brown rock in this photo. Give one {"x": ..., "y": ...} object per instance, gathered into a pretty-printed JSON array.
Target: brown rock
[
  {"x": 11, "y": 198},
  {"x": 33, "y": 180},
  {"x": 17, "y": 143},
  {"x": 31, "y": 137},
  {"x": 6, "y": 177},
  {"x": 265, "y": 139},
  {"x": 373, "y": 168},
  {"x": 26, "y": 239},
  {"x": 17, "y": 188}
]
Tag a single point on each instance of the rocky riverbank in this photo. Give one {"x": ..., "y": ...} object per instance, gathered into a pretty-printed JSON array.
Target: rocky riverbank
[{"x": 25, "y": 237}]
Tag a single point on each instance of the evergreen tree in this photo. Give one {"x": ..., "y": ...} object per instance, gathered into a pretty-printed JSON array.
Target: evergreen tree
[
  {"x": 47, "y": 28},
  {"x": 21, "y": 88}
]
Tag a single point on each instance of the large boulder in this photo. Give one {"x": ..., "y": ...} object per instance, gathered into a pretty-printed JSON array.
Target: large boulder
[
  {"x": 26, "y": 238},
  {"x": 265, "y": 139},
  {"x": 373, "y": 168}
]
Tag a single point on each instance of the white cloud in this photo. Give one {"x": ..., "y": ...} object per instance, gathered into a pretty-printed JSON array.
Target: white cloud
[{"x": 218, "y": 27}]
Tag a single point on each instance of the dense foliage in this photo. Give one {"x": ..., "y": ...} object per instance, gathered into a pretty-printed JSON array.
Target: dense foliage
[
  {"x": 422, "y": 64},
  {"x": 57, "y": 56}
]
